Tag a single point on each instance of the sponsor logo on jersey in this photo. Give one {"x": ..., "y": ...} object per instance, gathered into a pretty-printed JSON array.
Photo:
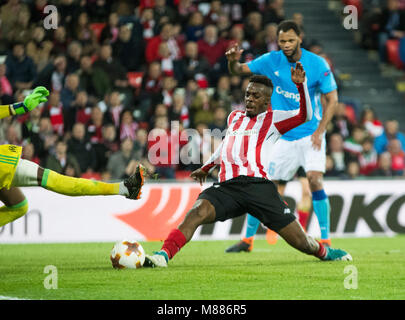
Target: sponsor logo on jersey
[{"x": 287, "y": 94}]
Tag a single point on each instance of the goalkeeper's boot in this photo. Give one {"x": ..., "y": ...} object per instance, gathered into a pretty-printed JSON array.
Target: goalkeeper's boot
[
  {"x": 135, "y": 182},
  {"x": 243, "y": 245},
  {"x": 336, "y": 255},
  {"x": 158, "y": 260}
]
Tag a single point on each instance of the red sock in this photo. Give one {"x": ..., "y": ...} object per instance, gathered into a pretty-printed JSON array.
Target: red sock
[
  {"x": 174, "y": 242},
  {"x": 321, "y": 252},
  {"x": 303, "y": 218}
]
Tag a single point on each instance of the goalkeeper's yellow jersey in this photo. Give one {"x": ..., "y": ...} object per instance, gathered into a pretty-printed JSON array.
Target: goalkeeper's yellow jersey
[{"x": 9, "y": 157}]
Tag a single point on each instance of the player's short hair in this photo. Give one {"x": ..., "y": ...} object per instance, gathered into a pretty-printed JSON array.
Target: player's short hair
[
  {"x": 262, "y": 79},
  {"x": 287, "y": 25}
]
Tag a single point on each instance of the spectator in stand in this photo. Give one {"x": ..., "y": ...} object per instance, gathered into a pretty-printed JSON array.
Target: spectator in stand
[
  {"x": 330, "y": 170},
  {"x": 115, "y": 108},
  {"x": 28, "y": 153},
  {"x": 70, "y": 90},
  {"x": 21, "y": 31},
  {"x": 105, "y": 147},
  {"x": 151, "y": 89},
  {"x": 82, "y": 108},
  {"x": 179, "y": 110},
  {"x": 268, "y": 39},
  {"x": 166, "y": 35},
  {"x": 160, "y": 146},
  {"x": 54, "y": 109},
  {"x": 59, "y": 41},
  {"x": 353, "y": 170},
  {"x": 384, "y": 166},
  {"x": 98, "y": 10},
  {"x": 160, "y": 110},
  {"x": 8, "y": 17},
  {"x": 111, "y": 66},
  {"x": 44, "y": 141},
  {"x": 6, "y": 89},
  {"x": 353, "y": 144},
  {"x": 30, "y": 126},
  {"x": 165, "y": 58},
  {"x": 340, "y": 157},
  {"x": 397, "y": 157},
  {"x": 148, "y": 24},
  {"x": 369, "y": 23},
  {"x": 222, "y": 95},
  {"x": 61, "y": 159},
  {"x": 109, "y": 34},
  {"x": 128, "y": 125},
  {"x": 211, "y": 47},
  {"x": 274, "y": 12},
  {"x": 369, "y": 120},
  {"x": 21, "y": 70},
  {"x": 195, "y": 27},
  {"x": 93, "y": 80},
  {"x": 340, "y": 122},
  {"x": 141, "y": 148},
  {"x": 80, "y": 147},
  {"x": 53, "y": 75},
  {"x": 390, "y": 133},
  {"x": 84, "y": 34},
  {"x": 94, "y": 127},
  {"x": 219, "y": 121},
  {"x": 368, "y": 159},
  {"x": 39, "y": 49},
  {"x": 253, "y": 26},
  {"x": 122, "y": 163},
  {"x": 214, "y": 13},
  {"x": 163, "y": 13},
  {"x": 191, "y": 65},
  {"x": 13, "y": 133},
  {"x": 223, "y": 25},
  {"x": 200, "y": 108},
  {"x": 392, "y": 26},
  {"x": 74, "y": 54},
  {"x": 128, "y": 49}
]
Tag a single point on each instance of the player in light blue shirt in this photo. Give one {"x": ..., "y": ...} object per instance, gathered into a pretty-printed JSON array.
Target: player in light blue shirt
[{"x": 305, "y": 145}]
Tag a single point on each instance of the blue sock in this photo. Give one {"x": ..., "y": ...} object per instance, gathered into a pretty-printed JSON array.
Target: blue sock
[
  {"x": 321, "y": 206},
  {"x": 252, "y": 225}
]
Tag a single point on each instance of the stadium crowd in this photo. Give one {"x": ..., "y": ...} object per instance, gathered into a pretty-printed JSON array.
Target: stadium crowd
[{"x": 117, "y": 70}]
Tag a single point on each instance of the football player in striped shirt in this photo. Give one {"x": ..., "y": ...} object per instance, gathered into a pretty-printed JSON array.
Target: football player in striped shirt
[{"x": 244, "y": 184}]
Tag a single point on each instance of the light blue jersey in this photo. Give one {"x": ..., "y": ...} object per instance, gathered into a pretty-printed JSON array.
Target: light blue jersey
[{"x": 285, "y": 95}]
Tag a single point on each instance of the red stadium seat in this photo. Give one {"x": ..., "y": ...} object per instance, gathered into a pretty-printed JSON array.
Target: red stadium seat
[
  {"x": 97, "y": 28},
  {"x": 393, "y": 57},
  {"x": 135, "y": 79}
]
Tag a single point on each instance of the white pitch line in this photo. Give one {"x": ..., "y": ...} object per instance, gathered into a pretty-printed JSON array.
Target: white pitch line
[{"x": 11, "y": 298}]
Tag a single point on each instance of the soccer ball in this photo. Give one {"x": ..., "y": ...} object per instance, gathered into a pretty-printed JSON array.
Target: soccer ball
[{"x": 127, "y": 254}]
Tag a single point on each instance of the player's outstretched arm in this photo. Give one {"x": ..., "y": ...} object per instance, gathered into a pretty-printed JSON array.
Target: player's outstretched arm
[
  {"x": 305, "y": 110},
  {"x": 202, "y": 173},
  {"x": 30, "y": 102},
  {"x": 234, "y": 66}
]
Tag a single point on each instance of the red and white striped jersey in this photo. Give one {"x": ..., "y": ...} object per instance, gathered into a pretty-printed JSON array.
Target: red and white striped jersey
[{"x": 248, "y": 142}]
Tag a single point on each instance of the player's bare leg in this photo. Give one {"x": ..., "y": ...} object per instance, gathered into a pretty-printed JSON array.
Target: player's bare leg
[
  {"x": 15, "y": 205},
  {"x": 202, "y": 212},
  {"x": 321, "y": 204},
  {"x": 295, "y": 236},
  {"x": 305, "y": 204}
]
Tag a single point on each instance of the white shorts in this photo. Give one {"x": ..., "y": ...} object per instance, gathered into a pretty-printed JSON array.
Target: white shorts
[{"x": 288, "y": 156}]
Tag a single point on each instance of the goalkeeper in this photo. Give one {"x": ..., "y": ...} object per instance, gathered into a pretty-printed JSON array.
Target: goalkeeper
[{"x": 16, "y": 172}]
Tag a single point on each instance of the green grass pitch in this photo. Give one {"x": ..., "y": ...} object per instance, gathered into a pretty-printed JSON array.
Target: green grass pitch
[{"x": 203, "y": 271}]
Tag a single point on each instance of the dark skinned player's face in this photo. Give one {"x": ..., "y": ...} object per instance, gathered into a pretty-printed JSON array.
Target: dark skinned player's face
[
  {"x": 257, "y": 98},
  {"x": 289, "y": 42}
]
